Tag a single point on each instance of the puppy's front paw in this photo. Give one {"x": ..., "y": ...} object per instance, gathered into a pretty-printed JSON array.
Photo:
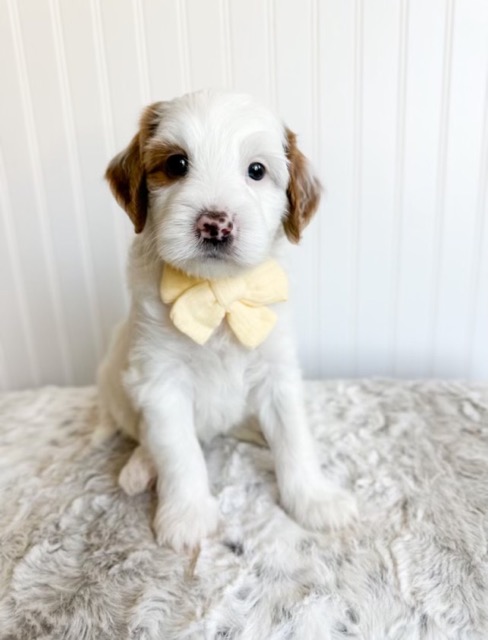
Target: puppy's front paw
[
  {"x": 322, "y": 507},
  {"x": 182, "y": 525}
]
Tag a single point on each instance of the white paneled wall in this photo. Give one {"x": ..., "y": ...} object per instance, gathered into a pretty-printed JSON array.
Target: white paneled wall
[{"x": 390, "y": 100}]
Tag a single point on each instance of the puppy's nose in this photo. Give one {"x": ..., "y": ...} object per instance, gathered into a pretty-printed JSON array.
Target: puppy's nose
[{"x": 216, "y": 226}]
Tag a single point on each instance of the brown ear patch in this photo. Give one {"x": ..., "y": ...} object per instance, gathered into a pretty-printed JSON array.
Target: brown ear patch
[
  {"x": 303, "y": 191},
  {"x": 126, "y": 177},
  {"x": 126, "y": 173}
]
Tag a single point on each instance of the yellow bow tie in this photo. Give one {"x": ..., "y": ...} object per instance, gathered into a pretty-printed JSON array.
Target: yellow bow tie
[{"x": 199, "y": 306}]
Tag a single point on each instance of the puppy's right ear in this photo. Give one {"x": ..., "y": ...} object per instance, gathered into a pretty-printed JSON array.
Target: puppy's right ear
[
  {"x": 127, "y": 179},
  {"x": 126, "y": 174}
]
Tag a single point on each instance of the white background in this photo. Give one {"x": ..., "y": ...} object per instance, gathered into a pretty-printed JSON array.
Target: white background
[{"x": 390, "y": 100}]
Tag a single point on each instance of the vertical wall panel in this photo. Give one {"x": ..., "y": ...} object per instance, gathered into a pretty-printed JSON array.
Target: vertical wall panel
[
  {"x": 75, "y": 184},
  {"x": 120, "y": 49},
  {"x": 205, "y": 45},
  {"x": 5, "y": 382},
  {"x": 375, "y": 261},
  {"x": 477, "y": 353},
  {"x": 28, "y": 213},
  {"x": 165, "y": 50},
  {"x": 337, "y": 145},
  {"x": 15, "y": 320},
  {"x": 418, "y": 232},
  {"x": 93, "y": 129},
  {"x": 477, "y": 356},
  {"x": 466, "y": 117},
  {"x": 293, "y": 75},
  {"x": 112, "y": 143},
  {"x": 59, "y": 198},
  {"x": 389, "y": 100},
  {"x": 249, "y": 63}
]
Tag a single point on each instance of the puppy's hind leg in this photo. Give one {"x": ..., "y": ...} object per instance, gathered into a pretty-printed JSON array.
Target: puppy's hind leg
[
  {"x": 115, "y": 410},
  {"x": 139, "y": 472},
  {"x": 105, "y": 428}
]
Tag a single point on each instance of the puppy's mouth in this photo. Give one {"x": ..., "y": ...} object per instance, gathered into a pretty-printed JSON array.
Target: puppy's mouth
[{"x": 216, "y": 249}]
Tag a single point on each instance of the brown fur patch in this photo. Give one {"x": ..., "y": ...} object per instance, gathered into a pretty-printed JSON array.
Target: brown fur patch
[
  {"x": 156, "y": 154},
  {"x": 303, "y": 191},
  {"x": 126, "y": 178},
  {"x": 126, "y": 173}
]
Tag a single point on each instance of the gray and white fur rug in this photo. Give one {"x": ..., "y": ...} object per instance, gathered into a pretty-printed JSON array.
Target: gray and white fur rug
[{"x": 78, "y": 560}]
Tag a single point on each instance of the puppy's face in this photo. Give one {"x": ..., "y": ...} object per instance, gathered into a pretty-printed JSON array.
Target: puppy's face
[{"x": 212, "y": 179}]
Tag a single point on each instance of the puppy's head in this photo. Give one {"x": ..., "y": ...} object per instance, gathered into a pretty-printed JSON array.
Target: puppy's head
[{"x": 213, "y": 178}]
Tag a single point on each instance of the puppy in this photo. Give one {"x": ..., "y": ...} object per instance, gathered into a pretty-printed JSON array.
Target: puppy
[{"x": 214, "y": 185}]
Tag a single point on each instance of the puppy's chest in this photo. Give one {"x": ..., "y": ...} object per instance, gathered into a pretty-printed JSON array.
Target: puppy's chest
[{"x": 221, "y": 383}]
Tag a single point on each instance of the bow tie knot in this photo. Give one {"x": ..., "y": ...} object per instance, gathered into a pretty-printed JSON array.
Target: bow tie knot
[
  {"x": 228, "y": 290},
  {"x": 199, "y": 306}
]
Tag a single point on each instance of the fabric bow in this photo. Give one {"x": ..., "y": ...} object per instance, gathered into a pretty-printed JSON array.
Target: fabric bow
[{"x": 199, "y": 305}]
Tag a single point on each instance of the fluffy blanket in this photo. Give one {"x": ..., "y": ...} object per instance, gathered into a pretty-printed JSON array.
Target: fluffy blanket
[{"x": 78, "y": 559}]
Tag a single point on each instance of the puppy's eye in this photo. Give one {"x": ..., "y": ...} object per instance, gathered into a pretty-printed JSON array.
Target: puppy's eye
[
  {"x": 176, "y": 166},
  {"x": 256, "y": 171}
]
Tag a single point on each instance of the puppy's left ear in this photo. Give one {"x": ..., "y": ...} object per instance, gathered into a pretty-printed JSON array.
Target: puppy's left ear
[{"x": 303, "y": 191}]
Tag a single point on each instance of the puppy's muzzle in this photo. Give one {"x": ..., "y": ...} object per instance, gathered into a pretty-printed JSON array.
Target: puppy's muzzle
[{"x": 215, "y": 228}]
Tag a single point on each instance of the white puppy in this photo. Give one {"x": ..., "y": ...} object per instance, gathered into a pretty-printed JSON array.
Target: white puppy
[{"x": 214, "y": 183}]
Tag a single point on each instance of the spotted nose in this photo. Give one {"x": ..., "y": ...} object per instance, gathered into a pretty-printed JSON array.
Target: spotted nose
[{"x": 215, "y": 226}]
